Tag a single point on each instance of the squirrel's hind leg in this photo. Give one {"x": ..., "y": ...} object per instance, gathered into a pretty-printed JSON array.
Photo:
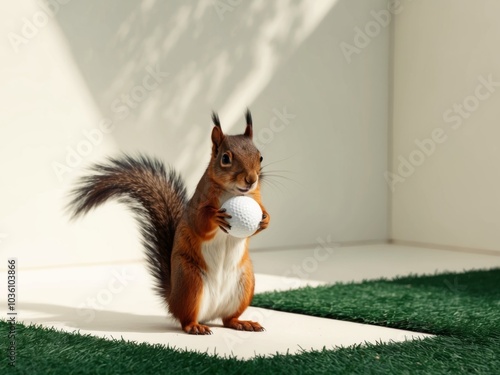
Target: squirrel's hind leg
[
  {"x": 186, "y": 295},
  {"x": 232, "y": 321}
]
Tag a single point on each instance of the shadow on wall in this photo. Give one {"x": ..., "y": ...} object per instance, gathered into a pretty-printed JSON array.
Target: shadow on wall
[{"x": 156, "y": 69}]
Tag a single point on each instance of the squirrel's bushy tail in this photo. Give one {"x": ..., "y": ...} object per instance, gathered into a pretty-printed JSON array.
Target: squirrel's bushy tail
[{"x": 156, "y": 196}]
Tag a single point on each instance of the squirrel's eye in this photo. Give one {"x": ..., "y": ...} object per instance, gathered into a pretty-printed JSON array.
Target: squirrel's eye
[
  {"x": 226, "y": 159},
  {"x": 261, "y": 158}
]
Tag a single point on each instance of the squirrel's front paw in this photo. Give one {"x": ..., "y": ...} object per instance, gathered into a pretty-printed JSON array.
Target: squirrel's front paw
[
  {"x": 220, "y": 218},
  {"x": 265, "y": 221}
]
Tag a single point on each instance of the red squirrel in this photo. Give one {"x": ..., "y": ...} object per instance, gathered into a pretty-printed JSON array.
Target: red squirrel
[{"x": 201, "y": 272}]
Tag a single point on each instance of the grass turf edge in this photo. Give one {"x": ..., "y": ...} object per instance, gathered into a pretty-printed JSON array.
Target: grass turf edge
[{"x": 59, "y": 352}]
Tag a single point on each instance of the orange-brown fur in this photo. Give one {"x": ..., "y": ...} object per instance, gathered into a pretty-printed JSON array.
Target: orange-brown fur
[
  {"x": 177, "y": 232},
  {"x": 200, "y": 222}
]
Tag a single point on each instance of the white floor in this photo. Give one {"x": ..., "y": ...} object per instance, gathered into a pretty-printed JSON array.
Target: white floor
[{"x": 116, "y": 300}]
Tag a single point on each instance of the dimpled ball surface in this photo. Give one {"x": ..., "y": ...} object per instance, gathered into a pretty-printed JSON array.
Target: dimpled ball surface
[{"x": 246, "y": 216}]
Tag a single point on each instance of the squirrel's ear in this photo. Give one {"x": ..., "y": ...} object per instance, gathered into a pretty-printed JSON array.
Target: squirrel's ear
[
  {"x": 249, "y": 128},
  {"x": 217, "y": 135}
]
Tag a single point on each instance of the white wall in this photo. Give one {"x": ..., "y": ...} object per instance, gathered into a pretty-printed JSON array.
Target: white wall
[
  {"x": 87, "y": 66},
  {"x": 443, "y": 50}
]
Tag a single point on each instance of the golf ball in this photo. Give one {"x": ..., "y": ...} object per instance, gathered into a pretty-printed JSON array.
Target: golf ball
[{"x": 246, "y": 215}]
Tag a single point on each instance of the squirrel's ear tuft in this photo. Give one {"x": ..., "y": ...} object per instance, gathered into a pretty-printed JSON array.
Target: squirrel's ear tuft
[
  {"x": 215, "y": 119},
  {"x": 217, "y": 135},
  {"x": 249, "y": 128}
]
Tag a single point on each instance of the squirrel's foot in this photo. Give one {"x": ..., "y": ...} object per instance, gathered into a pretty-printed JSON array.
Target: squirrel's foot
[
  {"x": 197, "y": 329},
  {"x": 243, "y": 325},
  {"x": 220, "y": 219}
]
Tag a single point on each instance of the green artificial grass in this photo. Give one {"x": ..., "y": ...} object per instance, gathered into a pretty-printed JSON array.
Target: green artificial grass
[
  {"x": 462, "y": 305},
  {"x": 462, "y": 308}
]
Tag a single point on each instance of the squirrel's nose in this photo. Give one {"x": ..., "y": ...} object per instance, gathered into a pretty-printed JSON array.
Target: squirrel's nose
[{"x": 250, "y": 179}]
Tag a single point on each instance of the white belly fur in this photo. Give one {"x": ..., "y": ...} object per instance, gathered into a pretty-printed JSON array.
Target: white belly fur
[{"x": 222, "y": 286}]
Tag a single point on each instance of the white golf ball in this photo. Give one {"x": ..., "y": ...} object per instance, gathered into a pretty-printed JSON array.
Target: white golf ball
[{"x": 246, "y": 215}]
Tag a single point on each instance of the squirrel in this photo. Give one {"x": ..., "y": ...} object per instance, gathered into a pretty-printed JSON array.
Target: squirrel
[{"x": 200, "y": 271}]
